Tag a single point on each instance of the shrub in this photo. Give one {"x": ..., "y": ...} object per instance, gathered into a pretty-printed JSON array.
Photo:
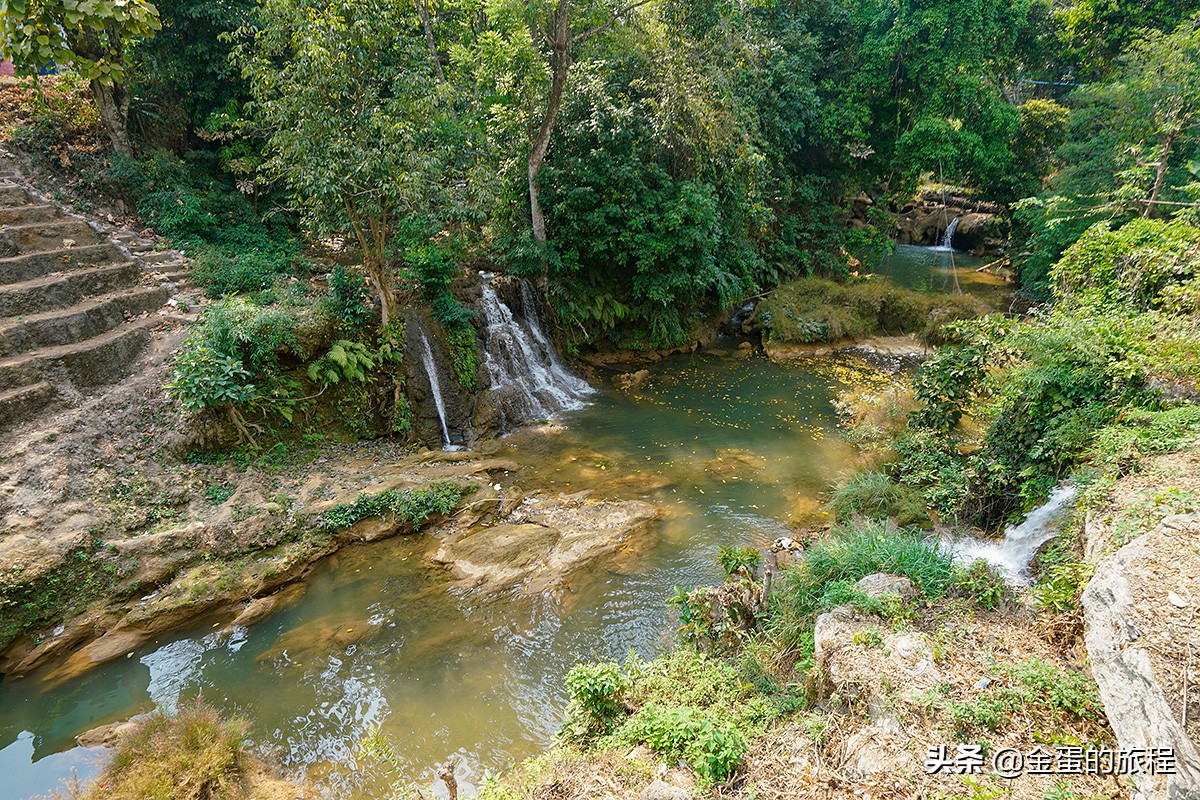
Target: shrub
[
  {"x": 980, "y": 582},
  {"x": 597, "y": 694},
  {"x": 734, "y": 558},
  {"x": 411, "y": 505},
  {"x": 876, "y": 496},
  {"x": 713, "y": 749}
]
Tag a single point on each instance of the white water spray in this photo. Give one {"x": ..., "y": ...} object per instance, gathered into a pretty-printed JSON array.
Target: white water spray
[
  {"x": 521, "y": 360},
  {"x": 1021, "y": 542},
  {"x": 435, "y": 386},
  {"x": 948, "y": 236}
]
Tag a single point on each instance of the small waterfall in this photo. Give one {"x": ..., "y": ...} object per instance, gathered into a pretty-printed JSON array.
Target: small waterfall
[
  {"x": 1021, "y": 542},
  {"x": 948, "y": 236},
  {"x": 435, "y": 386},
  {"x": 522, "y": 362}
]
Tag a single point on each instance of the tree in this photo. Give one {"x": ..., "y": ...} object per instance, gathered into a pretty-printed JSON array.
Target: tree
[
  {"x": 91, "y": 37},
  {"x": 357, "y": 123},
  {"x": 554, "y": 31}
]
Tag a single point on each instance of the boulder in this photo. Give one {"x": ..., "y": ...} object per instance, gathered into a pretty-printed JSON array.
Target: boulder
[
  {"x": 1140, "y": 630},
  {"x": 631, "y": 380},
  {"x": 881, "y": 584},
  {"x": 855, "y": 669},
  {"x": 661, "y": 790}
]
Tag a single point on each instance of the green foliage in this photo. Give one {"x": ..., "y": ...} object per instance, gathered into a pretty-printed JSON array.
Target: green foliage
[
  {"x": 464, "y": 360},
  {"x": 875, "y": 496},
  {"x": 733, "y": 559},
  {"x": 88, "y": 34},
  {"x": 713, "y": 748},
  {"x": 818, "y": 310},
  {"x": 347, "y": 298},
  {"x": 202, "y": 378},
  {"x": 31, "y": 605},
  {"x": 344, "y": 361},
  {"x": 597, "y": 693},
  {"x": 1032, "y": 688},
  {"x": 980, "y": 582},
  {"x": 217, "y": 493},
  {"x": 413, "y": 506}
]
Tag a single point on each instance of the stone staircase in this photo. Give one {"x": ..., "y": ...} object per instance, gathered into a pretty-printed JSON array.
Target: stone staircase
[{"x": 76, "y": 305}]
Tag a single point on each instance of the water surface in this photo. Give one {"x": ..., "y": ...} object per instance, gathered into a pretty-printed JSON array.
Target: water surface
[{"x": 733, "y": 450}]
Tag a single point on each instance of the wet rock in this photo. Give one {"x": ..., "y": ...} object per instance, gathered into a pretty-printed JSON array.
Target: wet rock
[
  {"x": 631, "y": 380},
  {"x": 105, "y": 735},
  {"x": 542, "y": 541},
  {"x": 881, "y": 584},
  {"x": 661, "y": 790},
  {"x": 733, "y": 462},
  {"x": 262, "y": 607}
]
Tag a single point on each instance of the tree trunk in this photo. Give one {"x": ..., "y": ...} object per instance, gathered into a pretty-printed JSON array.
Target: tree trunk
[
  {"x": 560, "y": 65},
  {"x": 427, "y": 25},
  {"x": 113, "y": 104},
  {"x": 1160, "y": 171}
]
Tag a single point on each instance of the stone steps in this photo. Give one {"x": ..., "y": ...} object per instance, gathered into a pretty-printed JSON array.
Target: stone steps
[
  {"x": 25, "y": 401},
  {"x": 65, "y": 289},
  {"x": 41, "y": 236},
  {"x": 93, "y": 362},
  {"x": 76, "y": 323},
  {"x": 15, "y": 269},
  {"x": 35, "y": 212},
  {"x": 76, "y": 310}
]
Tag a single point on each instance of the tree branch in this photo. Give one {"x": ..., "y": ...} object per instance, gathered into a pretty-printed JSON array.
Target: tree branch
[{"x": 608, "y": 23}]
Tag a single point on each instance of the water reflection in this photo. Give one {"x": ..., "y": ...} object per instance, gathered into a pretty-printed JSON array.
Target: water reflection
[{"x": 731, "y": 449}]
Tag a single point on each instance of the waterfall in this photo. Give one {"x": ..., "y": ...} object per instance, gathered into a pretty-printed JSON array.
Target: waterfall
[
  {"x": 522, "y": 362},
  {"x": 948, "y": 236},
  {"x": 435, "y": 387},
  {"x": 1021, "y": 542}
]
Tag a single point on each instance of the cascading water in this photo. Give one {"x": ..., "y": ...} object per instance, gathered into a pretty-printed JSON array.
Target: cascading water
[
  {"x": 521, "y": 361},
  {"x": 1021, "y": 542},
  {"x": 435, "y": 386},
  {"x": 948, "y": 236}
]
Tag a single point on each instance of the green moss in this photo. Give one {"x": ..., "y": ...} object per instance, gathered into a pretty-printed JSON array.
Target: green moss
[{"x": 411, "y": 505}]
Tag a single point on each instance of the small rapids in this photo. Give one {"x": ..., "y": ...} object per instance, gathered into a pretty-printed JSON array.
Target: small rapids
[{"x": 1013, "y": 553}]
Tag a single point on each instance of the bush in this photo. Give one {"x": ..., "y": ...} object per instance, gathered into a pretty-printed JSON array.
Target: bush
[
  {"x": 980, "y": 582},
  {"x": 875, "y": 496},
  {"x": 597, "y": 694},
  {"x": 193, "y": 755},
  {"x": 712, "y": 748},
  {"x": 414, "y": 506}
]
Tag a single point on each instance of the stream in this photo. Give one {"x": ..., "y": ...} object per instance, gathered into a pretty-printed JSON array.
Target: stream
[{"x": 733, "y": 449}]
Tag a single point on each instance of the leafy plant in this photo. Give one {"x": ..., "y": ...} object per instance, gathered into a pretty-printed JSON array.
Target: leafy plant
[
  {"x": 344, "y": 361},
  {"x": 597, "y": 693},
  {"x": 733, "y": 559},
  {"x": 980, "y": 582}
]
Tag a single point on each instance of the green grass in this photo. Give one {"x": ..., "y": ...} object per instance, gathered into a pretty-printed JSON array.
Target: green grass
[
  {"x": 875, "y": 496},
  {"x": 411, "y": 505},
  {"x": 819, "y": 310}
]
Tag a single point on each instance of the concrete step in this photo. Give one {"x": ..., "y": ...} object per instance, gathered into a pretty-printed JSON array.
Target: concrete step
[
  {"x": 65, "y": 289},
  {"x": 25, "y": 402},
  {"x": 164, "y": 257},
  {"x": 94, "y": 362},
  {"x": 37, "y": 212},
  {"x": 15, "y": 269},
  {"x": 91, "y": 318},
  {"x": 39, "y": 237},
  {"x": 14, "y": 196}
]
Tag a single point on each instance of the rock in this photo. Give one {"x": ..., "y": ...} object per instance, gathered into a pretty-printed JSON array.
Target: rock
[
  {"x": 881, "y": 584},
  {"x": 661, "y": 790},
  {"x": 871, "y": 750},
  {"x": 733, "y": 462},
  {"x": 856, "y": 669},
  {"x": 262, "y": 607},
  {"x": 105, "y": 735},
  {"x": 631, "y": 380},
  {"x": 980, "y": 232},
  {"x": 1136, "y": 641},
  {"x": 541, "y": 542}
]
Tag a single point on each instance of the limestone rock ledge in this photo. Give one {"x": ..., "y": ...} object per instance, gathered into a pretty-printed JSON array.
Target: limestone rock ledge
[
  {"x": 543, "y": 540},
  {"x": 1142, "y": 618}
]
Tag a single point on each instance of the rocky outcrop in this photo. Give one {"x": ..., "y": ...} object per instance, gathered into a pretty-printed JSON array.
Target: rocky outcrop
[
  {"x": 543, "y": 540},
  {"x": 981, "y": 227},
  {"x": 1142, "y": 618}
]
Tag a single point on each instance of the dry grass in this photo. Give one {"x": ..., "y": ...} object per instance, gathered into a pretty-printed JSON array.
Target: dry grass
[{"x": 194, "y": 755}]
